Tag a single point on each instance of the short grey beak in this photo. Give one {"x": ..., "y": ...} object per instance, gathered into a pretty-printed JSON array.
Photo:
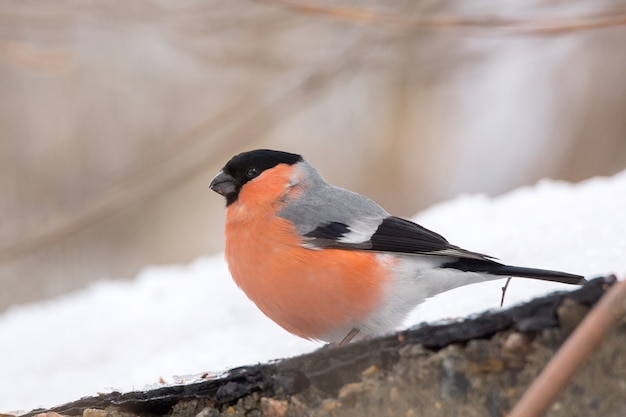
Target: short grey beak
[{"x": 223, "y": 184}]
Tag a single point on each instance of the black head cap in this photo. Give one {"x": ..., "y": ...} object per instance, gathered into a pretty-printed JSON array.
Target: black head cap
[{"x": 246, "y": 166}]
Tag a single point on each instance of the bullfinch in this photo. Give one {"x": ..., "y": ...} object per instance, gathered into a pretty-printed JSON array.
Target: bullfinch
[{"x": 329, "y": 264}]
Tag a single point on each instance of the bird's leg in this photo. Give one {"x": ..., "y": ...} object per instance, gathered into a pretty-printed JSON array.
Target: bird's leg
[
  {"x": 504, "y": 291},
  {"x": 349, "y": 337}
]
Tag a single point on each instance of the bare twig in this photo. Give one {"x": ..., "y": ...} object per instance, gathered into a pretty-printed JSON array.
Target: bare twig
[
  {"x": 576, "y": 349},
  {"x": 536, "y": 25},
  {"x": 504, "y": 291}
]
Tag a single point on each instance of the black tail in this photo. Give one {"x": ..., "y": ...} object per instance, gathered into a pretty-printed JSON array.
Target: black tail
[{"x": 491, "y": 267}]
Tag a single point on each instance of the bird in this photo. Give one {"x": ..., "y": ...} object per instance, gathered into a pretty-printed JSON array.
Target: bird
[{"x": 332, "y": 265}]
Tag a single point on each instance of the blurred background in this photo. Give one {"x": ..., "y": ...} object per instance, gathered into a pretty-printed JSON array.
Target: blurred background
[{"x": 114, "y": 116}]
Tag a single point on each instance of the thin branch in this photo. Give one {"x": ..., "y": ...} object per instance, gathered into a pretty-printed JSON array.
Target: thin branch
[
  {"x": 575, "y": 351},
  {"x": 508, "y": 280},
  {"x": 537, "y": 25}
]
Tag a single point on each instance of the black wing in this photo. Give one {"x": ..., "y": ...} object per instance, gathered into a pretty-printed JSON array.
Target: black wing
[
  {"x": 402, "y": 236},
  {"x": 393, "y": 234}
]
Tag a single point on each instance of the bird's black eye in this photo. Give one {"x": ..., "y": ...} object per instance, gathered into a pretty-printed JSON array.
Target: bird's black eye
[{"x": 252, "y": 172}]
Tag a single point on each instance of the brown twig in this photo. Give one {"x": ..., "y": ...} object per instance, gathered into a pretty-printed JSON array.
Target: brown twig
[
  {"x": 536, "y": 25},
  {"x": 576, "y": 349},
  {"x": 508, "y": 280}
]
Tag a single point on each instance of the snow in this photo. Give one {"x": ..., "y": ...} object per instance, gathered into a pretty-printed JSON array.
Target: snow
[{"x": 188, "y": 319}]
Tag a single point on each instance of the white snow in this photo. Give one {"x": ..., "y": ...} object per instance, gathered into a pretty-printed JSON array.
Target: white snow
[{"x": 182, "y": 320}]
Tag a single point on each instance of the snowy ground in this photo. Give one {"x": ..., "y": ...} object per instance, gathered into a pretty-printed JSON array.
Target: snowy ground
[{"x": 183, "y": 320}]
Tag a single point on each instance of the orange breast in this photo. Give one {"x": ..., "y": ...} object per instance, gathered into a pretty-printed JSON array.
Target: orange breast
[{"x": 307, "y": 292}]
